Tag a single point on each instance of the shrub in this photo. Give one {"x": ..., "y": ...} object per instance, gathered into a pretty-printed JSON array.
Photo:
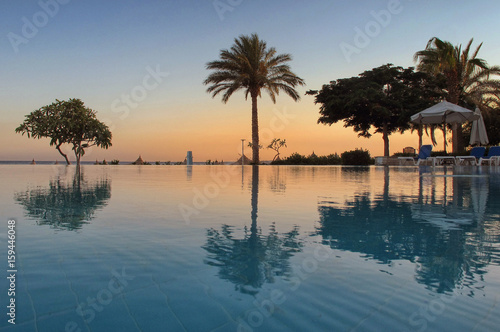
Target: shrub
[
  {"x": 114, "y": 162},
  {"x": 298, "y": 159},
  {"x": 356, "y": 157}
]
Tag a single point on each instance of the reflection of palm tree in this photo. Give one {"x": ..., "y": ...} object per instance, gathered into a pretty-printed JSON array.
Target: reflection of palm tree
[
  {"x": 386, "y": 229},
  {"x": 254, "y": 259},
  {"x": 65, "y": 205}
]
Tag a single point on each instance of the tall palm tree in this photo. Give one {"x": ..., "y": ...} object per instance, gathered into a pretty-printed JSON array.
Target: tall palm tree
[
  {"x": 251, "y": 66},
  {"x": 468, "y": 78}
]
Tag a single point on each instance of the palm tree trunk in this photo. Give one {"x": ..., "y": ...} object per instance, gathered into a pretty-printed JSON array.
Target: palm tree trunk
[
  {"x": 255, "y": 130},
  {"x": 420, "y": 136},
  {"x": 457, "y": 142}
]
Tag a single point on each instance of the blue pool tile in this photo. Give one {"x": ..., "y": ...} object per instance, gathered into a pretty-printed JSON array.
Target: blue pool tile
[
  {"x": 189, "y": 301},
  {"x": 65, "y": 321},
  {"x": 19, "y": 327},
  {"x": 151, "y": 311},
  {"x": 112, "y": 316}
]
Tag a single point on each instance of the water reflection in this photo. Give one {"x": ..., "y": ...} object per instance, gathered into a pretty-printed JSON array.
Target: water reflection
[
  {"x": 442, "y": 229},
  {"x": 277, "y": 180},
  {"x": 251, "y": 259},
  {"x": 66, "y": 204}
]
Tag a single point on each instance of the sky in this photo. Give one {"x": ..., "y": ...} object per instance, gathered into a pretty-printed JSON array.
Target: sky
[{"x": 141, "y": 66}]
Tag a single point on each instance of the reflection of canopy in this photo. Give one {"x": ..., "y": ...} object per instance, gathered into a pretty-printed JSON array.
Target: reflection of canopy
[
  {"x": 387, "y": 227},
  {"x": 462, "y": 208}
]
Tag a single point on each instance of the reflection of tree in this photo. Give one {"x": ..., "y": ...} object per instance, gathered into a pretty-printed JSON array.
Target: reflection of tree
[
  {"x": 277, "y": 181},
  {"x": 65, "y": 205},
  {"x": 386, "y": 228},
  {"x": 251, "y": 261}
]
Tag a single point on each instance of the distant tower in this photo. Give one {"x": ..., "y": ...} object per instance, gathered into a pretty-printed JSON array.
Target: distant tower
[{"x": 189, "y": 158}]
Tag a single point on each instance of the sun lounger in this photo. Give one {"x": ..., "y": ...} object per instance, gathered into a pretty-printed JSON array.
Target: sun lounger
[
  {"x": 476, "y": 153},
  {"x": 443, "y": 160},
  {"x": 424, "y": 155},
  {"x": 493, "y": 153}
]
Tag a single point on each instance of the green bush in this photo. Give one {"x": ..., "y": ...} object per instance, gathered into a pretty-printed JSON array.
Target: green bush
[
  {"x": 356, "y": 157},
  {"x": 298, "y": 159}
]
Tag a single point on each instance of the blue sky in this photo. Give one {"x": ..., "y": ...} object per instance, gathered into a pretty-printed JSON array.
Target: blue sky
[{"x": 100, "y": 51}]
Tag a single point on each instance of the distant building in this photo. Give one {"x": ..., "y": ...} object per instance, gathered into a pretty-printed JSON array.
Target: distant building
[
  {"x": 139, "y": 161},
  {"x": 409, "y": 150},
  {"x": 246, "y": 161}
]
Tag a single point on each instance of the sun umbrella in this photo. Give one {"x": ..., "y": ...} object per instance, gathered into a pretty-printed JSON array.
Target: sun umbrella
[
  {"x": 442, "y": 113},
  {"x": 478, "y": 133}
]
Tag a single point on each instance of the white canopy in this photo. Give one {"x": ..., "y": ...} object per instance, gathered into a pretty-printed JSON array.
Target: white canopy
[
  {"x": 444, "y": 112},
  {"x": 478, "y": 133}
]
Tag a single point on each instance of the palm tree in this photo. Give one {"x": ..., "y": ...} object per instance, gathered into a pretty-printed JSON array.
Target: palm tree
[
  {"x": 251, "y": 66},
  {"x": 468, "y": 78}
]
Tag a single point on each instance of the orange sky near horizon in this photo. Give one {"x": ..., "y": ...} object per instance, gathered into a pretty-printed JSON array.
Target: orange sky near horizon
[
  {"x": 213, "y": 130},
  {"x": 104, "y": 51}
]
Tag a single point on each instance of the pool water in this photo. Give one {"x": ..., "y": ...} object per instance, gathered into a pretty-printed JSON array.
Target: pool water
[{"x": 232, "y": 248}]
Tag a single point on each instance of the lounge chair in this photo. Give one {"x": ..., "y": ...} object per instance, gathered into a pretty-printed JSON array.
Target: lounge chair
[
  {"x": 424, "y": 154},
  {"x": 476, "y": 153},
  {"x": 493, "y": 155},
  {"x": 442, "y": 160}
]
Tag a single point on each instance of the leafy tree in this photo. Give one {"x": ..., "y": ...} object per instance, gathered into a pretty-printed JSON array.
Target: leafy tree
[
  {"x": 252, "y": 66},
  {"x": 276, "y": 144},
  {"x": 67, "y": 122},
  {"x": 384, "y": 98},
  {"x": 468, "y": 78}
]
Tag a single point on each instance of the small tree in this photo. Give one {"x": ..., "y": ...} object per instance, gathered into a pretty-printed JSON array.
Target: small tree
[
  {"x": 67, "y": 122},
  {"x": 250, "y": 145},
  {"x": 276, "y": 144}
]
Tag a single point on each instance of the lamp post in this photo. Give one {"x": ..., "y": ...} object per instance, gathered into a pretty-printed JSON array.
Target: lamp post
[{"x": 242, "y": 150}]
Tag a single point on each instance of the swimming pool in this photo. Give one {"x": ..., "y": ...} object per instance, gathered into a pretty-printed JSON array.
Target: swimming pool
[{"x": 232, "y": 248}]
